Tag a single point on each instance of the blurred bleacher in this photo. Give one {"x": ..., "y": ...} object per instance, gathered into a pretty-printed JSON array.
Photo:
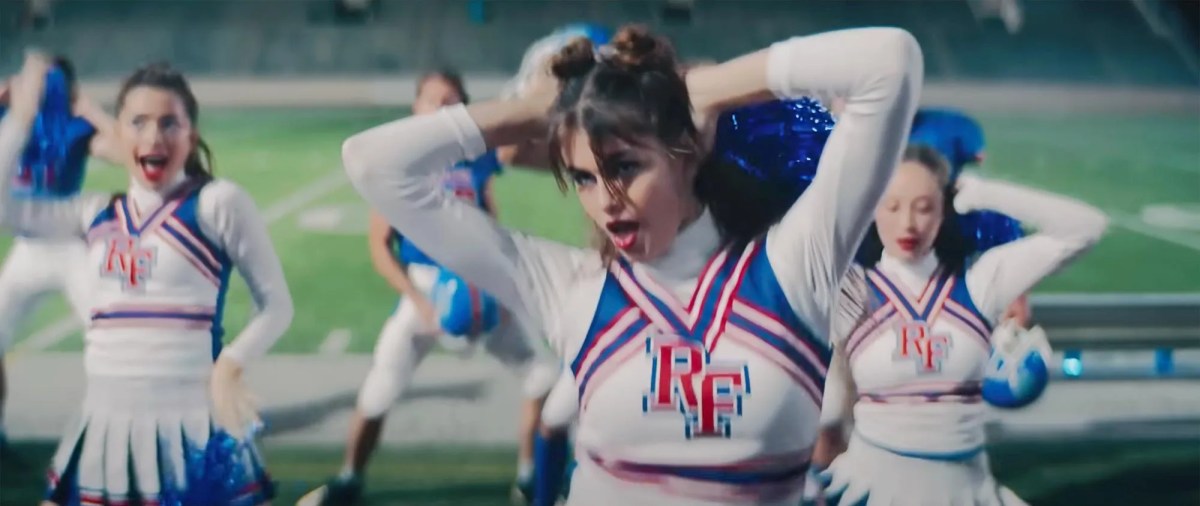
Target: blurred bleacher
[{"x": 1108, "y": 42}]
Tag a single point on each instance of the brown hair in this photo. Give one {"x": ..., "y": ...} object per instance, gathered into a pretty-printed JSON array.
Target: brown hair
[
  {"x": 199, "y": 164},
  {"x": 634, "y": 89}
]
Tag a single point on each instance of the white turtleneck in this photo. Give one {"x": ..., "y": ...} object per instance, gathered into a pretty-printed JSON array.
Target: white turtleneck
[{"x": 227, "y": 216}]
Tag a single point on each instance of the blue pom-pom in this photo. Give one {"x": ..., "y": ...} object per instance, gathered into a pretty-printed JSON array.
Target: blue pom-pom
[
  {"x": 778, "y": 141},
  {"x": 1010, "y": 384},
  {"x": 598, "y": 34},
  {"x": 463, "y": 310},
  {"x": 988, "y": 229},
  {"x": 47, "y": 148},
  {"x": 216, "y": 473}
]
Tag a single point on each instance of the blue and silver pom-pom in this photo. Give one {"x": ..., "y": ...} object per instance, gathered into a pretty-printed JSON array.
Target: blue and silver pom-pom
[
  {"x": 463, "y": 310},
  {"x": 1017, "y": 372},
  {"x": 216, "y": 473},
  {"x": 48, "y": 147},
  {"x": 778, "y": 141},
  {"x": 988, "y": 229}
]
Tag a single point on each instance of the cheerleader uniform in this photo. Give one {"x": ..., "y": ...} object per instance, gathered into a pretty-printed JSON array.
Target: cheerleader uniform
[
  {"x": 403, "y": 344},
  {"x": 918, "y": 359},
  {"x": 712, "y": 401},
  {"x": 157, "y": 271}
]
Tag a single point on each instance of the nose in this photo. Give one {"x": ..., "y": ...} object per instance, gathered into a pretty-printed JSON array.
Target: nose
[
  {"x": 150, "y": 136},
  {"x": 610, "y": 201},
  {"x": 910, "y": 221}
]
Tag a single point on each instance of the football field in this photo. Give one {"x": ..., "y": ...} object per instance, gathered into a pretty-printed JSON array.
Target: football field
[{"x": 1143, "y": 170}]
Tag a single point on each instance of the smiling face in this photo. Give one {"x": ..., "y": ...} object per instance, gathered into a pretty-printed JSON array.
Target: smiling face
[
  {"x": 643, "y": 201},
  {"x": 911, "y": 212},
  {"x": 154, "y": 129}
]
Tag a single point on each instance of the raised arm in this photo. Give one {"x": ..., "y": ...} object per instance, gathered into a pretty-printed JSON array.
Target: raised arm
[
  {"x": 229, "y": 216},
  {"x": 395, "y": 167},
  {"x": 1066, "y": 228},
  {"x": 102, "y": 144},
  {"x": 878, "y": 71},
  {"x": 35, "y": 217}
]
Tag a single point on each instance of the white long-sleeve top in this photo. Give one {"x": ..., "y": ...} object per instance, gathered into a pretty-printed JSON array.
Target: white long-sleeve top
[
  {"x": 559, "y": 289},
  {"x": 216, "y": 229},
  {"x": 928, "y": 405}
]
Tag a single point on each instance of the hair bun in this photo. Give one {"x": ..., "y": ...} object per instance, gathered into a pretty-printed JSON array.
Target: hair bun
[
  {"x": 575, "y": 60},
  {"x": 636, "y": 48}
]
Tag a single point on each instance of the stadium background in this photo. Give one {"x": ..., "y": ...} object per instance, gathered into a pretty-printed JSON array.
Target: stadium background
[{"x": 1097, "y": 99}]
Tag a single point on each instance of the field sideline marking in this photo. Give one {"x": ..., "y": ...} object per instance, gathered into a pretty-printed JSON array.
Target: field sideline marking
[
  {"x": 1135, "y": 224},
  {"x": 335, "y": 343},
  {"x": 61, "y": 329}
]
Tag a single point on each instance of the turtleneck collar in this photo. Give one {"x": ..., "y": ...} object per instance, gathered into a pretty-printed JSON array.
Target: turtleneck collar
[
  {"x": 914, "y": 274},
  {"x": 693, "y": 247},
  {"x": 147, "y": 198}
]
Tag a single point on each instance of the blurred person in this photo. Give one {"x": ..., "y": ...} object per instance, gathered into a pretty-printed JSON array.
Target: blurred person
[
  {"x": 427, "y": 312},
  {"x": 665, "y": 416},
  {"x": 166, "y": 418},
  {"x": 913, "y": 370},
  {"x": 36, "y": 267}
]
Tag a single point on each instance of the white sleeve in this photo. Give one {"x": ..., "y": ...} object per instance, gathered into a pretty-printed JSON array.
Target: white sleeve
[
  {"x": 396, "y": 166},
  {"x": 1065, "y": 228},
  {"x": 41, "y": 218},
  {"x": 229, "y": 217},
  {"x": 562, "y": 404},
  {"x": 837, "y": 404},
  {"x": 880, "y": 72}
]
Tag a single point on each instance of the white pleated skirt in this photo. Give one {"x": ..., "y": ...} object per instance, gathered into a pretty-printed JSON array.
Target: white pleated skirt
[
  {"x": 151, "y": 442},
  {"x": 867, "y": 475}
]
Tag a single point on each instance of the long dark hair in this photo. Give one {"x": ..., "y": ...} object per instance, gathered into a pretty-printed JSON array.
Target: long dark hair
[
  {"x": 951, "y": 245},
  {"x": 633, "y": 89},
  {"x": 199, "y": 164}
]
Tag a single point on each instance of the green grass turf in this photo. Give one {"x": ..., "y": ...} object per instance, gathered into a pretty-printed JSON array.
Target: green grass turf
[
  {"x": 1044, "y": 474},
  {"x": 1119, "y": 163}
]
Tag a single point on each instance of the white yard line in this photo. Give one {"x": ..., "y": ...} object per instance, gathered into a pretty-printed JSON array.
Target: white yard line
[
  {"x": 336, "y": 342},
  {"x": 56, "y": 332},
  {"x": 1135, "y": 224}
]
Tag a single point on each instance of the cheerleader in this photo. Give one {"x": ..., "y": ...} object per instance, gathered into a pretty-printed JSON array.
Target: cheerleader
[
  {"x": 712, "y": 401},
  {"x": 161, "y": 422},
  {"x": 34, "y": 267},
  {"x": 960, "y": 139},
  {"x": 420, "y": 319},
  {"x": 917, "y": 364}
]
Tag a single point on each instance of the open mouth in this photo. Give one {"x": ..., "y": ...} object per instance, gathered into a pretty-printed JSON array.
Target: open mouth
[
  {"x": 153, "y": 166},
  {"x": 624, "y": 233}
]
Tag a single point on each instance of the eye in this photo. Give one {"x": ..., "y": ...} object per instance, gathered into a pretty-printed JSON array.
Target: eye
[
  {"x": 138, "y": 121},
  {"x": 168, "y": 123},
  {"x": 582, "y": 179},
  {"x": 627, "y": 168}
]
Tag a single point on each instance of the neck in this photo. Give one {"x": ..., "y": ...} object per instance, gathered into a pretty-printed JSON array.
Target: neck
[{"x": 693, "y": 209}]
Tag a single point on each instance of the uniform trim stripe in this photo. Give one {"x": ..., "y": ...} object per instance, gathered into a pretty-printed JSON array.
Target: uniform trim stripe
[
  {"x": 919, "y": 309},
  {"x": 759, "y": 480},
  {"x": 617, "y": 341},
  {"x": 868, "y": 331},
  {"x": 812, "y": 385}
]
